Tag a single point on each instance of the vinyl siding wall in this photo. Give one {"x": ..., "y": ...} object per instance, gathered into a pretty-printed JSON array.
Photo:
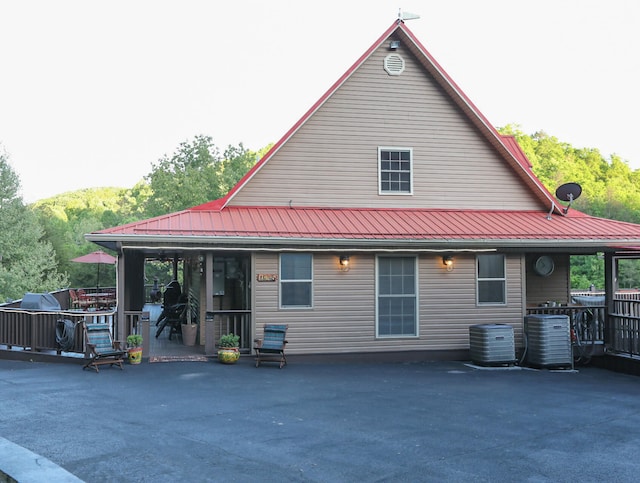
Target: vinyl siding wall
[
  {"x": 556, "y": 287},
  {"x": 332, "y": 159},
  {"x": 343, "y": 317}
]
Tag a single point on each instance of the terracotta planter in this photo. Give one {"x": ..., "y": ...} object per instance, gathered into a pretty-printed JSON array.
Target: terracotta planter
[
  {"x": 189, "y": 334},
  {"x": 228, "y": 355},
  {"x": 135, "y": 355}
]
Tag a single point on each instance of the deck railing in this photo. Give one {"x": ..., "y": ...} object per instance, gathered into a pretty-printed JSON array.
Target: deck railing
[
  {"x": 624, "y": 327},
  {"x": 35, "y": 330},
  {"x": 572, "y": 311},
  {"x": 227, "y": 322}
]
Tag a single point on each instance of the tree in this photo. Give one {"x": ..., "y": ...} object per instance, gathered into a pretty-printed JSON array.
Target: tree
[
  {"x": 27, "y": 261},
  {"x": 195, "y": 174},
  {"x": 188, "y": 178}
]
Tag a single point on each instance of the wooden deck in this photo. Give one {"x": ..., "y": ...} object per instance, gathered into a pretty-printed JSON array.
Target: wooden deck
[{"x": 162, "y": 346}]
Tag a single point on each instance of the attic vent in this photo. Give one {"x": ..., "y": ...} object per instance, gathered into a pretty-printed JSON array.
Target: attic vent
[{"x": 394, "y": 64}]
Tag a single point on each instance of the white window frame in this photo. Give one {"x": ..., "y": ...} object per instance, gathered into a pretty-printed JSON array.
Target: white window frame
[
  {"x": 398, "y": 149},
  {"x": 416, "y": 331},
  {"x": 502, "y": 279},
  {"x": 282, "y": 281}
]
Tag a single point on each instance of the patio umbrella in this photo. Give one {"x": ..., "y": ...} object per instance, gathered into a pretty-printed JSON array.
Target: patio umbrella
[{"x": 98, "y": 257}]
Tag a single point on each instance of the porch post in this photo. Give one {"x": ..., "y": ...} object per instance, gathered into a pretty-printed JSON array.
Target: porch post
[
  {"x": 610, "y": 285},
  {"x": 120, "y": 299},
  {"x": 209, "y": 327}
]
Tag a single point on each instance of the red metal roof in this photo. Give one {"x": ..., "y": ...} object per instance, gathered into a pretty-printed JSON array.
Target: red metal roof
[
  {"x": 219, "y": 222},
  {"x": 381, "y": 224}
]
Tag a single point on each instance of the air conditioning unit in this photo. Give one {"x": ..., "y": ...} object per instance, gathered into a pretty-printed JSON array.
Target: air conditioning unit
[
  {"x": 548, "y": 340},
  {"x": 492, "y": 344}
]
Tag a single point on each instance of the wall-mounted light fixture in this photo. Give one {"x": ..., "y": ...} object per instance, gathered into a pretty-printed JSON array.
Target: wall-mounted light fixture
[
  {"x": 447, "y": 261},
  {"x": 344, "y": 263},
  {"x": 394, "y": 45}
]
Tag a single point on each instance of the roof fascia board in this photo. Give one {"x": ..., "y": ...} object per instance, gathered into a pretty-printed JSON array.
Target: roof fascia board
[
  {"x": 307, "y": 115},
  {"x": 281, "y": 243},
  {"x": 478, "y": 118}
]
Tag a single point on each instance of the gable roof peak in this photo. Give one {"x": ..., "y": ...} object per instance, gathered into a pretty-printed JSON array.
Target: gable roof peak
[{"x": 398, "y": 28}]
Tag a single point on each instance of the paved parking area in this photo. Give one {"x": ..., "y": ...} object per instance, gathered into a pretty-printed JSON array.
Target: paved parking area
[{"x": 424, "y": 421}]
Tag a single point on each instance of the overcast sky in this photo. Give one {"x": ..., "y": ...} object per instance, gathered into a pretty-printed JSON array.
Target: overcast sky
[{"x": 93, "y": 92}]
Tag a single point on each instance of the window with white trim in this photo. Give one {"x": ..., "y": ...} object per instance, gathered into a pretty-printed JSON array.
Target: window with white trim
[
  {"x": 397, "y": 307},
  {"x": 491, "y": 279},
  {"x": 395, "y": 170},
  {"x": 296, "y": 280}
]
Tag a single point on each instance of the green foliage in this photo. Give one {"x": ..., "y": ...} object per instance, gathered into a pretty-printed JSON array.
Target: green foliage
[
  {"x": 195, "y": 174},
  {"x": 229, "y": 340},
  {"x": 67, "y": 217},
  {"x": 188, "y": 178},
  {"x": 27, "y": 261},
  {"x": 610, "y": 189},
  {"x": 134, "y": 340}
]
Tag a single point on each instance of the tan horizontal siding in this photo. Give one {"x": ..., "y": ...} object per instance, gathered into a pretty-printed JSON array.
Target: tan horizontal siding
[
  {"x": 332, "y": 159},
  {"x": 343, "y": 317},
  {"x": 555, "y": 287}
]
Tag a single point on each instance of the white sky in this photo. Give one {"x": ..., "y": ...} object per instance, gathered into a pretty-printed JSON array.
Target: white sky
[{"x": 93, "y": 92}]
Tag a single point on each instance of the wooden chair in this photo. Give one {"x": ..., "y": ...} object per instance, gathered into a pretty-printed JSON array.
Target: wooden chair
[
  {"x": 271, "y": 347},
  {"x": 104, "y": 350}
]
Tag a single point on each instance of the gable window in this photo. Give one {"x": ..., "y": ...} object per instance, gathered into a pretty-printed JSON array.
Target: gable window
[
  {"x": 397, "y": 314},
  {"x": 296, "y": 280},
  {"x": 394, "y": 170},
  {"x": 491, "y": 279}
]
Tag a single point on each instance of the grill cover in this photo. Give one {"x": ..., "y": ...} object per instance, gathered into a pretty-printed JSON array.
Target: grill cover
[{"x": 39, "y": 301}]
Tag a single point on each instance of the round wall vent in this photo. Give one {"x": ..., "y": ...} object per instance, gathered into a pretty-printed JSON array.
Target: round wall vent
[{"x": 394, "y": 64}]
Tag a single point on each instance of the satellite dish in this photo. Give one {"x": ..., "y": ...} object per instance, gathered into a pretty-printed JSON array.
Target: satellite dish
[{"x": 569, "y": 192}]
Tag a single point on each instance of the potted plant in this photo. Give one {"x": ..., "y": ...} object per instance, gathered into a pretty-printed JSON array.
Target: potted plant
[
  {"x": 134, "y": 344},
  {"x": 228, "y": 349}
]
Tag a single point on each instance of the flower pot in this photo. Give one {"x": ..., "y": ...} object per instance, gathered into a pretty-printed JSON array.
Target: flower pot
[
  {"x": 189, "y": 334},
  {"x": 135, "y": 355},
  {"x": 228, "y": 355}
]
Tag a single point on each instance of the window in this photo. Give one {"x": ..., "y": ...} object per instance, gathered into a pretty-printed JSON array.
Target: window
[
  {"x": 397, "y": 314},
  {"x": 394, "y": 165},
  {"x": 491, "y": 279},
  {"x": 296, "y": 280}
]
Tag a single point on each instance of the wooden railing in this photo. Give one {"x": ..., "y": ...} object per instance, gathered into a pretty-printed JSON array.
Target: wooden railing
[
  {"x": 220, "y": 322},
  {"x": 598, "y": 312},
  {"x": 624, "y": 327},
  {"x": 35, "y": 331}
]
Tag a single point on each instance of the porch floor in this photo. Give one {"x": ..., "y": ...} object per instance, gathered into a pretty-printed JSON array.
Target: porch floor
[{"x": 162, "y": 346}]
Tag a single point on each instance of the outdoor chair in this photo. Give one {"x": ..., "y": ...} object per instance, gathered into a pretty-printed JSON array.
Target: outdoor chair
[
  {"x": 103, "y": 349},
  {"x": 172, "y": 316},
  {"x": 84, "y": 300},
  {"x": 78, "y": 302},
  {"x": 271, "y": 347}
]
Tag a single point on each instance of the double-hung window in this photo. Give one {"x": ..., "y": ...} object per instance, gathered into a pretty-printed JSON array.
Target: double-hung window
[
  {"x": 395, "y": 170},
  {"x": 491, "y": 279},
  {"x": 296, "y": 280},
  {"x": 397, "y": 309}
]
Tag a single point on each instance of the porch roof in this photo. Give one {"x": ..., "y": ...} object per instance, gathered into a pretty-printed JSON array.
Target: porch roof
[{"x": 433, "y": 227}]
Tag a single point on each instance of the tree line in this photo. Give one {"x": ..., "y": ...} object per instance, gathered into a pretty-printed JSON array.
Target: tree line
[{"x": 39, "y": 240}]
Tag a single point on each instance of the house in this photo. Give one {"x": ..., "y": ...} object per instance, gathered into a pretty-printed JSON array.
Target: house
[{"x": 388, "y": 219}]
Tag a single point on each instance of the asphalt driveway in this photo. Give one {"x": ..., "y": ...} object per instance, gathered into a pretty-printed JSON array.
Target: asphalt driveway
[{"x": 428, "y": 421}]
